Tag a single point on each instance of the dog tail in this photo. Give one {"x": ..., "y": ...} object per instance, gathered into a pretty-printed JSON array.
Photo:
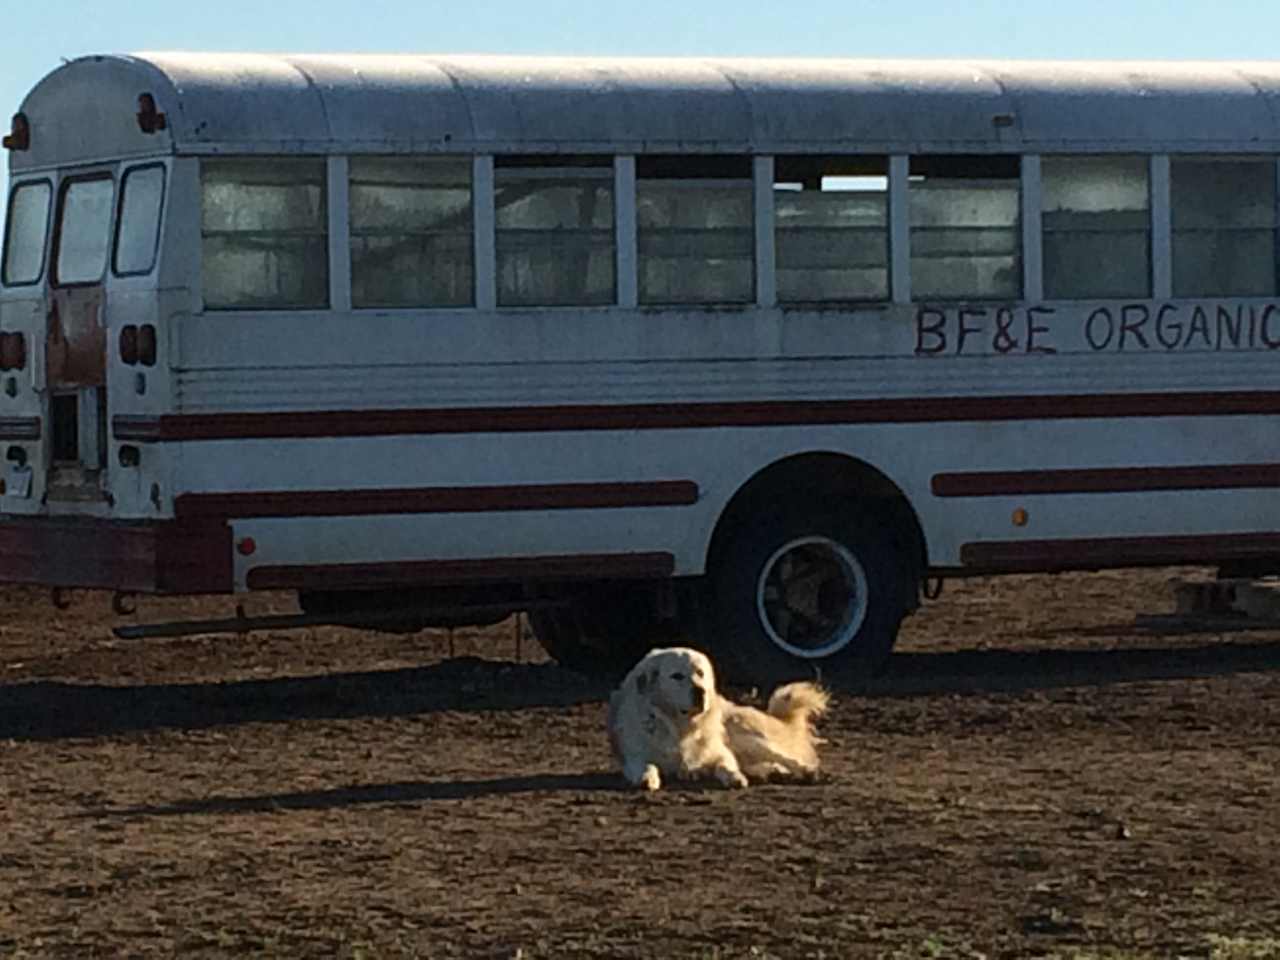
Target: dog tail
[{"x": 799, "y": 702}]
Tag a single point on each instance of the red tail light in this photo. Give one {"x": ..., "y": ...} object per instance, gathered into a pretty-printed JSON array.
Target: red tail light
[
  {"x": 147, "y": 345},
  {"x": 129, "y": 344},
  {"x": 13, "y": 351}
]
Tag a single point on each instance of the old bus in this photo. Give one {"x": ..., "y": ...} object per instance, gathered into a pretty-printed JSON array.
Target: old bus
[{"x": 749, "y": 350}]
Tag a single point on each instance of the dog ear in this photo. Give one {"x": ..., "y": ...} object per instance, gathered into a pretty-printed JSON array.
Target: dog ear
[{"x": 646, "y": 680}]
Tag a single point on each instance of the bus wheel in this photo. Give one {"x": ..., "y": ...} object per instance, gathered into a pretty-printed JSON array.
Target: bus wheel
[
  {"x": 800, "y": 595},
  {"x": 601, "y": 634}
]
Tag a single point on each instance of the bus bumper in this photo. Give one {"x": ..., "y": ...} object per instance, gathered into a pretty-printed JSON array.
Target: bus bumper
[{"x": 165, "y": 556}]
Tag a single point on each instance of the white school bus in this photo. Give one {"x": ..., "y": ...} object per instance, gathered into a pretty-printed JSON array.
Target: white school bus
[{"x": 745, "y": 349}]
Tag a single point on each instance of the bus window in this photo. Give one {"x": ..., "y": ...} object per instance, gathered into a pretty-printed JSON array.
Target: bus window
[
  {"x": 1096, "y": 219},
  {"x": 555, "y": 232},
  {"x": 695, "y": 229},
  {"x": 138, "y": 232},
  {"x": 964, "y": 220},
  {"x": 264, "y": 234},
  {"x": 84, "y": 230},
  {"x": 27, "y": 226},
  {"x": 1224, "y": 225},
  {"x": 831, "y": 228},
  {"x": 411, "y": 232}
]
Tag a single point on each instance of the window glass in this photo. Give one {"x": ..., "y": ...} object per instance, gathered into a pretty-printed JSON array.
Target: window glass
[
  {"x": 25, "y": 230},
  {"x": 1224, "y": 225},
  {"x": 263, "y": 230},
  {"x": 831, "y": 228},
  {"x": 555, "y": 231},
  {"x": 695, "y": 229},
  {"x": 1096, "y": 218},
  {"x": 965, "y": 234},
  {"x": 139, "y": 230},
  {"x": 84, "y": 234},
  {"x": 411, "y": 232}
]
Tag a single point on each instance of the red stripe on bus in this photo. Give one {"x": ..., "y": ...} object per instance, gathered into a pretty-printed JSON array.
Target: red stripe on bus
[
  {"x": 996, "y": 483},
  {"x": 678, "y": 416},
  {"x": 337, "y": 503},
  {"x": 1048, "y": 556},
  {"x": 605, "y": 566}
]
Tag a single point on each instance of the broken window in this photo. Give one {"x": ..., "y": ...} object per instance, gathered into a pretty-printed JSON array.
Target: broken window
[
  {"x": 831, "y": 228},
  {"x": 1096, "y": 218},
  {"x": 554, "y": 231},
  {"x": 695, "y": 229},
  {"x": 411, "y": 232},
  {"x": 965, "y": 227},
  {"x": 264, "y": 234},
  {"x": 1224, "y": 226}
]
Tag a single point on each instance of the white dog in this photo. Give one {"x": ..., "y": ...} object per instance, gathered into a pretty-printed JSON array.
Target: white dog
[{"x": 666, "y": 718}]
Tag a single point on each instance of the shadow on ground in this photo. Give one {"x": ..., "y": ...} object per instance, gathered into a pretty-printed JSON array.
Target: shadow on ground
[
  {"x": 381, "y": 793},
  {"x": 46, "y": 710},
  {"x": 1011, "y": 671},
  {"x": 43, "y": 710}
]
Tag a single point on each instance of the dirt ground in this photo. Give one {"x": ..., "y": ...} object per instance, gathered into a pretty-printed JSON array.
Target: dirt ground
[{"x": 1041, "y": 773}]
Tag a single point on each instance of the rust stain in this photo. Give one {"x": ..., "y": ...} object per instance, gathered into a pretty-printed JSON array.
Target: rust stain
[{"x": 76, "y": 339}]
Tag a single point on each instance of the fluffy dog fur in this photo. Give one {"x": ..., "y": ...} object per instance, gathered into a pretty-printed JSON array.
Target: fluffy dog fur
[{"x": 667, "y": 719}]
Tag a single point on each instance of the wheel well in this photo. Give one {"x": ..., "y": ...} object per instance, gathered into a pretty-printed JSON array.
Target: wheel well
[{"x": 827, "y": 477}]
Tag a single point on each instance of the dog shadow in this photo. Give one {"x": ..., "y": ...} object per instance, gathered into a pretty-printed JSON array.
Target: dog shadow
[
  {"x": 574, "y": 785},
  {"x": 382, "y": 794}
]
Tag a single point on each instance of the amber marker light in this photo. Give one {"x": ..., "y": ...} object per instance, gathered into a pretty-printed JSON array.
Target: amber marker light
[
  {"x": 19, "y": 136},
  {"x": 149, "y": 118},
  {"x": 1020, "y": 517}
]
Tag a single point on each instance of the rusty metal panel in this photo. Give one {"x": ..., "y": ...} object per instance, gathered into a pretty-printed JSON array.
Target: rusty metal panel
[{"x": 76, "y": 339}]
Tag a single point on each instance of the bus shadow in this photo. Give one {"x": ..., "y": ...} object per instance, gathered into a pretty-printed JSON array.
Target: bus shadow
[
  {"x": 51, "y": 710},
  {"x": 1012, "y": 671}
]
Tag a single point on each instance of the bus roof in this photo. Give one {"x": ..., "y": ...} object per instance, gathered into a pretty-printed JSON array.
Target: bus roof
[{"x": 251, "y": 103}]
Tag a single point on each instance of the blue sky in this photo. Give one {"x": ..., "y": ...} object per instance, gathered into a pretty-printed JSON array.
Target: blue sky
[{"x": 37, "y": 36}]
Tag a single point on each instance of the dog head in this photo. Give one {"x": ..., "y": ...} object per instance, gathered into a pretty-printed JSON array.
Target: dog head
[{"x": 679, "y": 681}]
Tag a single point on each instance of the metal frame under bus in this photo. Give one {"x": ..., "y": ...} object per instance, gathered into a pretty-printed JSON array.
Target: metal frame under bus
[{"x": 738, "y": 349}]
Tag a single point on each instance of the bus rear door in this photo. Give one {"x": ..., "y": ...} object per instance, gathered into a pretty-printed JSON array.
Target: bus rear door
[{"x": 75, "y": 340}]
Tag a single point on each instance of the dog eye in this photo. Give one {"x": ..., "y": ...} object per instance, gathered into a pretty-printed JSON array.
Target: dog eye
[{"x": 677, "y": 676}]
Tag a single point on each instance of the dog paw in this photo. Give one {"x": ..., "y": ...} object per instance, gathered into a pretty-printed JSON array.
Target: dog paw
[
  {"x": 733, "y": 779},
  {"x": 651, "y": 780}
]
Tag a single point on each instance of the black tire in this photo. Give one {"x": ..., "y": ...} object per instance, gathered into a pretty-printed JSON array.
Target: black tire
[
  {"x": 601, "y": 633},
  {"x": 801, "y": 594}
]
